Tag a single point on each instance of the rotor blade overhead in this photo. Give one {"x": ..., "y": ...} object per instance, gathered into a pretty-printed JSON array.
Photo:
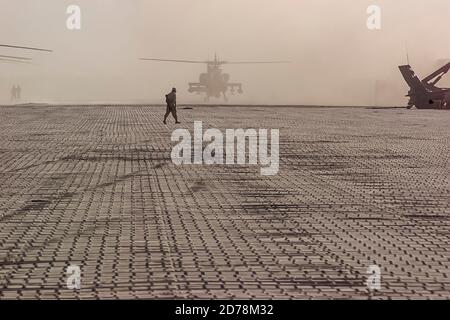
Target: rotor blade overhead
[
  {"x": 24, "y": 48},
  {"x": 15, "y": 58},
  {"x": 169, "y": 60},
  {"x": 217, "y": 62},
  {"x": 13, "y": 61},
  {"x": 253, "y": 62}
]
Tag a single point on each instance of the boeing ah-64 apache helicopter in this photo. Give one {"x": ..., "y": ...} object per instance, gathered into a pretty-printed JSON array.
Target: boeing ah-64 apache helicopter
[
  {"x": 424, "y": 94},
  {"x": 214, "y": 83}
]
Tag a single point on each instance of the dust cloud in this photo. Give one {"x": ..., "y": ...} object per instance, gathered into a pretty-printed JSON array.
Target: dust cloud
[{"x": 335, "y": 58}]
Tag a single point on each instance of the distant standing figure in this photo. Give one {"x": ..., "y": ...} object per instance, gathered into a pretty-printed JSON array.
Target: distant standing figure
[
  {"x": 171, "y": 100},
  {"x": 19, "y": 92},
  {"x": 13, "y": 93}
]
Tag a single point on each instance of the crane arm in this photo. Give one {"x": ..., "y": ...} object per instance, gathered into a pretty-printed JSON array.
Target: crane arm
[{"x": 436, "y": 76}]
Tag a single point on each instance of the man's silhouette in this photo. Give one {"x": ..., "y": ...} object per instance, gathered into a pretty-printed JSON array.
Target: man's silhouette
[
  {"x": 171, "y": 100},
  {"x": 19, "y": 93},
  {"x": 13, "y": 93}
]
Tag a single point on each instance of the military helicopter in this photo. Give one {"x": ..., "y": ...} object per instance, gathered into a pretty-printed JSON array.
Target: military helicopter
[
  {"x": 214, "y": 83},
  {"x": 424, "y": 94}
]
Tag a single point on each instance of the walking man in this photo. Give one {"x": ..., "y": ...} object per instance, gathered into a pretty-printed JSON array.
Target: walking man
[{"x": 171, "y": 100}]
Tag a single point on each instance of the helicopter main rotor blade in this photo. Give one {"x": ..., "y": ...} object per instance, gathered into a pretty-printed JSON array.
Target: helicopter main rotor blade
[
  {"x": 24, "y": 48},
  {"x": 15, "y": 58},
  {"x": 13, "y": 61},
  {"x": 169, "y": 60},
  {"x": 254, "y": 62}
]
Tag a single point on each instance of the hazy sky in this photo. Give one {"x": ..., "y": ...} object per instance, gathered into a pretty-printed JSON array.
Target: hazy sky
[{"x": 335, "y": 58}]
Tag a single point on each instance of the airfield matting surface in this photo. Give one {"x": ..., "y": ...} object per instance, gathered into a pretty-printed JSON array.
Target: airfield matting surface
[{"x": 94, "y": 186}]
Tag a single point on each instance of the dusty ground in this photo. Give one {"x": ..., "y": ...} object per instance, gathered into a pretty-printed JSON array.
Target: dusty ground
[{"x": 95, "y": 187}]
